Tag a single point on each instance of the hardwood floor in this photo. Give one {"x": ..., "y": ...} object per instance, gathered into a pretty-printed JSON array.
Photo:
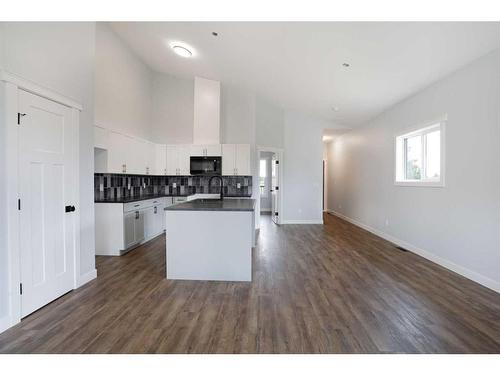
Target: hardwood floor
[{"x": 317, "y": 289}]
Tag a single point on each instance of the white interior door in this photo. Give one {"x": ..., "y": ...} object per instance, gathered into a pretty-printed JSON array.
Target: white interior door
[
  {"x": 47, "y": 192},
  {"x": 275, "y": 189}
]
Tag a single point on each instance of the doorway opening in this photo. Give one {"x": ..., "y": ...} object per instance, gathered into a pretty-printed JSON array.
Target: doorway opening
[{"x": 269, "y": 180}]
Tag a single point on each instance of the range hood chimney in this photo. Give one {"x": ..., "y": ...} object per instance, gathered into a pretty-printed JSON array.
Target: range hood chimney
[{"x": 206, "y": 111}]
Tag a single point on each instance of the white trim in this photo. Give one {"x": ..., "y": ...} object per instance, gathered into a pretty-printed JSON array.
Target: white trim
[
  {"x": 266, "y": 209},
  {"x": 84, "y": 279},
  {"x": 36, "y": 89},
  {"x": 423, "y": 129},
  {"x": 302, "y": 221},
  {"x": 12, "y": 85},
  {"x": 465, "y": 272}
]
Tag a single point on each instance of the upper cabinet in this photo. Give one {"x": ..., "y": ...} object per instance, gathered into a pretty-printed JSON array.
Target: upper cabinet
[
  {"x": 206, "y": 150},
  {"x": 206, "y": 130},
  {"x": 160, "y": 159},
  {"x": 178, "y": 160},
  {"x": 126, "y": 154},
  {"x": 119, "y": 153},
  {"x": 236, "y": 159}
]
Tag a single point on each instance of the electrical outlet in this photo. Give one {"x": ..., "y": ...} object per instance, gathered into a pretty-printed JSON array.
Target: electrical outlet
[
  {"x": 174, "y": 185},
  {"x": 386, "y": 222},
  {"x": 300, "y": 210},
  {"x": 238, "y": 185}
]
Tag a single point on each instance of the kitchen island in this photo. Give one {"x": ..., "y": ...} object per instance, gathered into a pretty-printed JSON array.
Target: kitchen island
[{"x": 210, "y": 239}]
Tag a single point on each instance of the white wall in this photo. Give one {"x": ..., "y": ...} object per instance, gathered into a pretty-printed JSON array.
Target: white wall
[
  {"x": 237, "y": 115},
  {"x": 60, "y": 56},
  {"x": 270, "y": 122},
  {"x": 457, "y": 226},
  {"x": 173, "y": 109},
  {"x": 123, "y": 86},
  {"x": 303, "y": 176}
]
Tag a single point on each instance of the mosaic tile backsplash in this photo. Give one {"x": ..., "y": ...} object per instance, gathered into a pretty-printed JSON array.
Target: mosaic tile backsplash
[{"x": 111, "y": 186}]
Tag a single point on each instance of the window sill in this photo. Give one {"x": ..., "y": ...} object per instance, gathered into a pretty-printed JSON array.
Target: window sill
[{"x": 437, "y": 184}]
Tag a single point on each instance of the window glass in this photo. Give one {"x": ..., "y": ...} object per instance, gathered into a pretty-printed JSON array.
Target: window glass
[
  {"x": 414, "y": 158},
  {"x": 433, "y": 155}
]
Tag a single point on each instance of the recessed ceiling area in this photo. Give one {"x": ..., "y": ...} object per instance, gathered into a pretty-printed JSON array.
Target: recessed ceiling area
[{"x": 360, "y": 68}]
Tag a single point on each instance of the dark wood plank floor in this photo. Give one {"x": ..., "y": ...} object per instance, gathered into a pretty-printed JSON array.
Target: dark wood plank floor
[{"x": 317, "y": 289}]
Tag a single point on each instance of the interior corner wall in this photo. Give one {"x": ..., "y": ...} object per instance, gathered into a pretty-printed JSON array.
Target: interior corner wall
[
  {"x": 60, "y": 56},
  {"x": 457, "y": 226},
  {"x": 303, "y": 168},
  {"x": 123, "y": 86}
]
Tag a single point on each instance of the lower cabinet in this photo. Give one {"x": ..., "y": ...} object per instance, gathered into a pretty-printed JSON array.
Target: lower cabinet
[{"x": 142, "y": 221}]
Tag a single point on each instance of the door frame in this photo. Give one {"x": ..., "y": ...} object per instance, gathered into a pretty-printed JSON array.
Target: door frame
[
  {"x": 10, "y": 85},
  {"x": 279, "y": 154}
]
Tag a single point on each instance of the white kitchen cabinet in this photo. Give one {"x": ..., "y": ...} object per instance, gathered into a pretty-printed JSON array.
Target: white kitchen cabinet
[
  {"x": 206, "y": 150},
  {"x": 149, "y": 158},
  {"x": 178, "y": 159},
  {"x": 242, "y": 162},
  {"x": 118, "y": 148},
  {"x": 154, "y": 221},
  {"x": 160, "y": 165},
  {"x": 236, "y": 159},
  {"x": 139, "y": 226},
  {"x": 142, "y": 221},
  {"x": 129, "y": 219}
]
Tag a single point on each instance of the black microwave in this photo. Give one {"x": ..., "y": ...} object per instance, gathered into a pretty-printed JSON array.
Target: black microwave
[{"x": 205, "y": 165}]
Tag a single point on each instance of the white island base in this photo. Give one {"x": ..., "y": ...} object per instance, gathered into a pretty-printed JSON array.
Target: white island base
[{"x": 209, "y": 245}]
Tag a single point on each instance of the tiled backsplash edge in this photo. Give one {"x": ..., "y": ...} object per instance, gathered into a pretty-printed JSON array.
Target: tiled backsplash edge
[{"x": 124, "y": 186}]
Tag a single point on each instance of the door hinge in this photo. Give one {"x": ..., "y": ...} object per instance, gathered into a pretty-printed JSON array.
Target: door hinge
[
  {"x": 277, "y": 188},
  {"x": 19, "y": 115},
  {"x": 21, "y": 288},
  {"x": 19, "y": 205},
  {"x": 277, "y": 161},
  {"x": 276, "y": 214}
]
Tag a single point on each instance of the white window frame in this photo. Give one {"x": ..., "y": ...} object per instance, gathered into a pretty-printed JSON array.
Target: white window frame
[{"x": 421, "y": 130}]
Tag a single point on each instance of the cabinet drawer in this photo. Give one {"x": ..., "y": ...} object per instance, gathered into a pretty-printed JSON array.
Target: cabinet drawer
[{"x": 140, "y": 205}]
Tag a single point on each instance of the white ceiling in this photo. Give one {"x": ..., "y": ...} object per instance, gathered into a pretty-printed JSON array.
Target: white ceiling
[{"x": 298, "y": 65}]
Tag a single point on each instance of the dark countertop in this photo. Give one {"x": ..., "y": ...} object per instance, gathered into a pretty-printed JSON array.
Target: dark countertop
[
  {"x": 140, "y": 198},
  {"x": 214, "y": 205}
]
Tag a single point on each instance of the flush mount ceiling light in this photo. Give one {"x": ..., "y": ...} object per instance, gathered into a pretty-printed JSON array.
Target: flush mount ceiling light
[{"x": 182, "y": 49}]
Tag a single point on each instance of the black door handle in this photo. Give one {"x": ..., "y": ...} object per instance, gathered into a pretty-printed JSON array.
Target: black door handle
[{"x": 69, "y": 209}]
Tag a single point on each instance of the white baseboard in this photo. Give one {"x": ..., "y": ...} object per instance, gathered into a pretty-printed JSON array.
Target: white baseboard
[
  {"x": 302, "y": 221},
  {"x": 84, "y": 279},
  {"x": 465, "y": 272}
]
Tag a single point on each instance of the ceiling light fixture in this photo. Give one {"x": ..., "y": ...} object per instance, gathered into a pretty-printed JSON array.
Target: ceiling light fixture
[
  {"x": 182, "y": 49},
  {"x": 214, "y": 33},
  {"x": 346, "y": 65}
]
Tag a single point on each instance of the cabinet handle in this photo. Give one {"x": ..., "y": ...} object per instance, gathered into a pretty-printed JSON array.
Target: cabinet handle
[
  {"x": 156, "y": 210},
  {"x": 136, "y": 205},
  {"x": 136, "y": 215}
]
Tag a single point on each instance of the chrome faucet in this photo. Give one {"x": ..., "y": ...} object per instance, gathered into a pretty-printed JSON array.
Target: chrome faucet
[{"x": 221, "y": 185}]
